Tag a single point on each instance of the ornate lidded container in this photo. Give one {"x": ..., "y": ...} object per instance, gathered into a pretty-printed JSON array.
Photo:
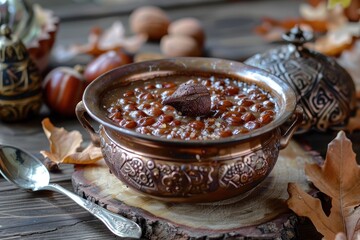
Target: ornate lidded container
[
  {"x": 19, "y": 15},
  {"x": 20, "y": 80},
  {"x": 324, "y": 89},
  {"x": 34, "y": 26}
]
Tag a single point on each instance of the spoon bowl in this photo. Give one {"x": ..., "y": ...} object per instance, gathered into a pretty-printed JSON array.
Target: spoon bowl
[
  {"x": 27, "y": 172},
  {"x": 23, "y": 169}
]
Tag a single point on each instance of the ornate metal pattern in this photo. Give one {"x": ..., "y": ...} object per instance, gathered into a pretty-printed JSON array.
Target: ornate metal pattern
[
  {"x": 324, "y": 89},
  {"x": 12, "y": 110},
  {"x": 249, "y": 167},
  {"x": 155, "y": 176},
  {"x": 20, "y": 81}
]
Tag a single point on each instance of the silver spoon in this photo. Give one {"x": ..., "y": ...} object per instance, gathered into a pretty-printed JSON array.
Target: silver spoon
[{"x": 26, "y": 171}]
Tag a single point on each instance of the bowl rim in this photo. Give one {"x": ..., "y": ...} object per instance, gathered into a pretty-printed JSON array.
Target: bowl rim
[{"x": 92, "y": 100}]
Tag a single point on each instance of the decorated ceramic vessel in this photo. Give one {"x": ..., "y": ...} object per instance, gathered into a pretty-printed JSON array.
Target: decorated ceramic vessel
[
  {"x": 324, "y": 89},
  {"x": 20, "y": 82}
]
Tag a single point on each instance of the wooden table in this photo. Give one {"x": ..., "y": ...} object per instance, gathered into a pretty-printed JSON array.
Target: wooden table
[{"x": 229, "y": 29}]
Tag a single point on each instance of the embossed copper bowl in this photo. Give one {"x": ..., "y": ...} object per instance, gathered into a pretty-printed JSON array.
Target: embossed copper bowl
[{"x": 197, "y": 170}]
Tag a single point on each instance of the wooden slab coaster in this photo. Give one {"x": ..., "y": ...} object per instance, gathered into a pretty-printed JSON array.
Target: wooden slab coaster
[{"x": 259, "y": 214}]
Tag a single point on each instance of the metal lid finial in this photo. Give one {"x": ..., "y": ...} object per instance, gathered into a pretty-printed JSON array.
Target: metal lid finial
[
  {"x": 5, "y": 31},
  {"x": 297, "y": 36}
]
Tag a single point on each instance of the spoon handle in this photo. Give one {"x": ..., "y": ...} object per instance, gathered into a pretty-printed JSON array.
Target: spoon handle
[{"x": 117, "y": 224}]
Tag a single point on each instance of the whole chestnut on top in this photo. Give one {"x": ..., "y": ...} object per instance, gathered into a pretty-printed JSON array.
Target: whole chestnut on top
[
  {"x": 105, "y": 62},
  {"x": 63, "y": 88}
]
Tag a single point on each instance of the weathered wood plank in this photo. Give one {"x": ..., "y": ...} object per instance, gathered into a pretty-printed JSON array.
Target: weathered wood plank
[{"x": 46, "y": 215}]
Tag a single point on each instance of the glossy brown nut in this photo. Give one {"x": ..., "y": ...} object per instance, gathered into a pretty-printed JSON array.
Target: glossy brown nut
[
  {"x": 150, "y": 86},
  {"x": 175, "y": 123},
  {"x": 169, "y": 85},
  {"x": 266, "y": 118},
  {"x": 231, "y": 91},
  {"x": 146, "y": 96},
  {"x": 270, "y": 112},
  {"x": 130, "y": 107},
  {"x": 248, "y": 117},
  {"x": 143, "y": 130},
  {"x": 239, "y": 109},
  {"x": 167, "y": 93},
  {"x": 166, "y": 118},
  {"x": 225, "y": 103},
  {"x": 235, "y": 121},
  {"x": 231, "y": 114},
  {"x": 116, "y": 115},
  {"x": 137, "y": 114},
  {"x": 146, "y": 121},
  {"x": 256, "y": 107},
  {"x": 129, "y": 93},
  {"x": 245, "y": 102},
  {"x": 198, "y": 125},
  {"x": 144, "y": 105},
  {"x": 268, "y": 104},
  {"x": 168, "y": 108},
  {"x": 241, "y": 130},
  {"x": 128, "y": 123},
  {"x": 63, "y": 88},
  {"x": 154, "y": 111},
  {"x": 104, "y": 63},
  {"x": 226, "y": 133}
]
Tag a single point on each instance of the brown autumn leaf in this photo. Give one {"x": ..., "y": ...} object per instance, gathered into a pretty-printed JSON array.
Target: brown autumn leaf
[
  {"x": 100, "y": 41},
  {"x": 89, "y": 155},
  {"x": 64, "y": 146},
  {"x": 338, "y": 178},
  {"x": 62, "y": 142}
]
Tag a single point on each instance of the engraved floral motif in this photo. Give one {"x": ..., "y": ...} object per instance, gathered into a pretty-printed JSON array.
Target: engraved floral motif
[
  {"x": 92, "y": 207},
  {"x": 123, "y": 226},
  {"x": 115, "y": 222},
  {"x": 248, "y": 168},
  {"x": 154, "y": 175}
]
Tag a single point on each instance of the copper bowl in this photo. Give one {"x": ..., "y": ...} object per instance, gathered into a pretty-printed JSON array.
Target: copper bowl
[{"x": 189, "y": 171}]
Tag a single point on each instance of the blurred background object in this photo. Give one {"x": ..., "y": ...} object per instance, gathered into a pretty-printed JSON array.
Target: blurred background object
[{"x": 34, "y": 26}]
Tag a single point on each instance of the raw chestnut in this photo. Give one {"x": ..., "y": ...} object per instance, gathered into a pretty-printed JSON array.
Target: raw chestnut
[
  {"x": 63, "y": 88},
  {"x": 104, "y": 63}
]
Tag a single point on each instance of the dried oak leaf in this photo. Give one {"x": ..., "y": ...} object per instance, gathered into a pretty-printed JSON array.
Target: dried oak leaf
[
  {"x": 101, "y": 41},
  {"x": 89, "y": 155},
  {"x": 339, "y": 178},
  {"x": 64, "y": 146}
]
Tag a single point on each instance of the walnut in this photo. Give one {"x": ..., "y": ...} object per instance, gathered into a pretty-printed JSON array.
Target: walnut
[{"x": 149, "y": 20}]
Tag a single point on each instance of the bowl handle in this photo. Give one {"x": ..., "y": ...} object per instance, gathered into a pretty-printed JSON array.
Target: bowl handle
[
  {"x": 289, "y": 132},
  {"x": 84, "y": 119}
]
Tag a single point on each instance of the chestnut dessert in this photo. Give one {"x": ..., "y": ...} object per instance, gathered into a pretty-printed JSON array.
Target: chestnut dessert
[{"x": 191, "y": 107}]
